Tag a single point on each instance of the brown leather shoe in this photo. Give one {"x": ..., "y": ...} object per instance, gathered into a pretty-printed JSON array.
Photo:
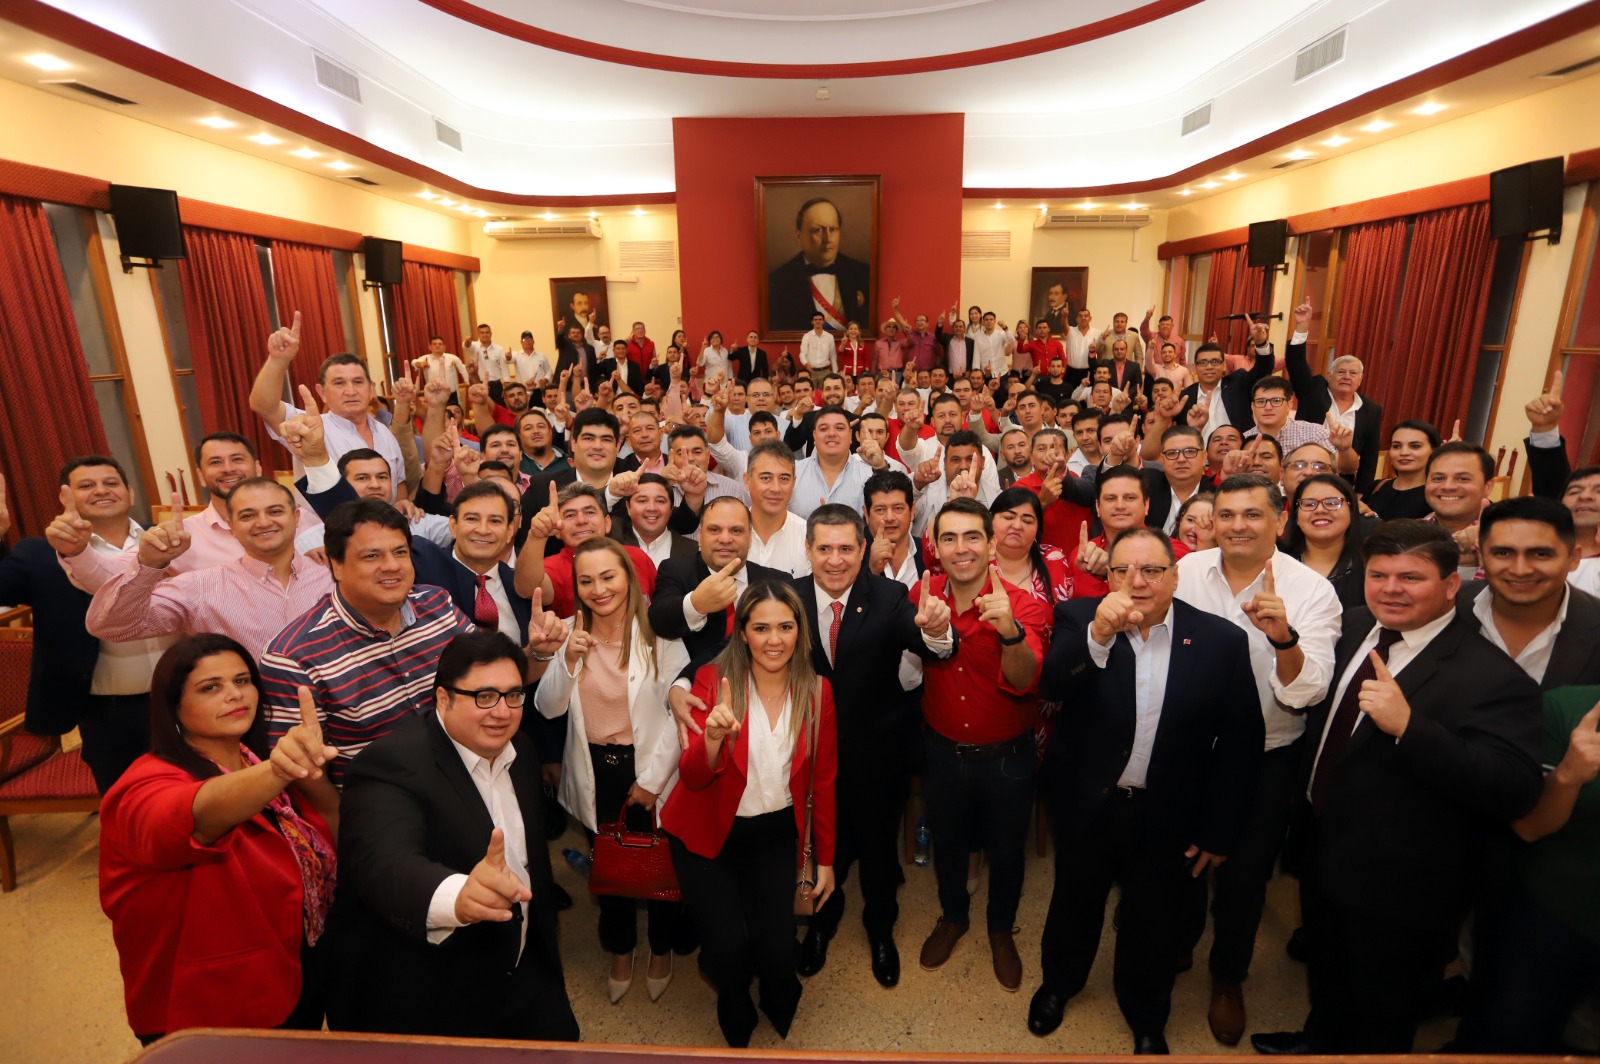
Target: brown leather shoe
[
  {"x": 1007, "y": 964},
  {"x": 1227, "y": 1012},
  {"x": 936, "y": 950}
]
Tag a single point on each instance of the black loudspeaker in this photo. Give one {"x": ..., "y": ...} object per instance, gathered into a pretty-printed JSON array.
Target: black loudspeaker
[
  {"x": 383, "y": 260},
  {"x": 1526, "y": 199},
  {"x": 147, "y": 222},
  {"x": 1268, "y": 240}
]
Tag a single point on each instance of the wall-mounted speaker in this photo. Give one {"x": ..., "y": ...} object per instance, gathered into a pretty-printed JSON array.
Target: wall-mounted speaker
[
  {"x": 147, "y": 223},
  {"x": 1268, "y": 241},
  {"x": 383, "y": 260},
  {"x": 1527, "y": 199}
]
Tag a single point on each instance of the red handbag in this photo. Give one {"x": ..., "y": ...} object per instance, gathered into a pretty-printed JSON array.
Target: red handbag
[{"x": 632, "y": 864}]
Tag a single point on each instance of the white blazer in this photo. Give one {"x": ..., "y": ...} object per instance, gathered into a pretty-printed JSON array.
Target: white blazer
[{"x": 655, "y": 734}]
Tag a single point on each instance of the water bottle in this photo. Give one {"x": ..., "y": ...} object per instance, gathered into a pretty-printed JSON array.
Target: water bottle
[
  {"x": 924, "y": 843},
  {"x": 580, "y": 862}
]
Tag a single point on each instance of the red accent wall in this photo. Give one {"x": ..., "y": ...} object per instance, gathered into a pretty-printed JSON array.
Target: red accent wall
[{"x": 919, "y": 158}]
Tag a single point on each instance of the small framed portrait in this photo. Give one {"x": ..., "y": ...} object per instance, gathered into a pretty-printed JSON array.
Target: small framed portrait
[
  {"x": 1057, "y": 294},
  {"x": 818, "y": 254},
  {"x": 579, "y": 301}
]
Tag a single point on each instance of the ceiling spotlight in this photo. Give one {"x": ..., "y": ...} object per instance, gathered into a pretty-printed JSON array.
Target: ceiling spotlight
[
  {"x": 1133, "y": 206},
  {"x": 1429, "y": 108},
  {"x": 1377, "y": 125},
  {"x": 217, "y": 123},
  {"x": 1335, "y": 141},
  {"x": 467, "y": 207},
  {"x": 1186, "y": 192},
  {"x": 1298, "y": 154},
  {"x": 266, "y": 140},
  {"x": 1087, "y": 206},
  {"x": 47, "y": 62},
  {"x": 1236, "y": 175},
  {"x": 305, "y": 153},
  {"x": 425, "y": 194},
  {"x": 340, "y": 164},
  {"x": 547, "y": 216},
  {"x": 823, "y": 93},
  {"x": 481, "y": 213},
  {"x": 639, "y": 212},
  {"x": 997, "y": 206},
  {"x": 443, "y": 202},
  {"x": 593, "y": 215},
  {"x": 1211, "y": 184}
]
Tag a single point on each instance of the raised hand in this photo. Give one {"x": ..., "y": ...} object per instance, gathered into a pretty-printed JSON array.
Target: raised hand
[
  {"x": 1237, "y": 461},
  {"x": 1302, "y": 313},
  {"x": 720, "y": 722},
  {"x": 1544, "y": 410},
  {"x": 579, "y": 643},
  {"x": 301, "y": 753},
  {"x": 491, "y": 889},
  {"x": 1340, "y": 435},
  {"x": 881, "y": 555},
  {"x": 303, "y": 433},
  {"x": 871, "y": 452},
  {"x": 1119, "y": 400},
  {"x": 963, "y": 486},
  {"x": 692, "y": 483},
  {"x": 1121, "y": 446},
  {"x": 405, "y": 386},
  {"x": 623, "y": 485},
  {"x": 467, "y": 462},
  {"x": 717, "y": 591},
  {"x": 927, "y": 472},
  {"x": 1092, "y": 558},
  {"x": 436, "y": 392},
  {"x": 1581, "y": 763},
  {"x": 1115, "y": 614},
  {"x": 933, "y": 613},
  {"x": 1382, "y": 700},
  {"x": 546, "y": 631},
  {"x": 1051, "y": 484},
  {"x": 284, "y": 344},
  {"x": 161, "y": 544},
  {"x": 68, "y": 533},
  {"x": 547, "y": 522},
  {"x": 1266, "y": 611},
  {"x": 477, "y": 395},
  {"x": 994, "y": 609},
  {"x": 1455, "y": 432},
  {"x": 1198, "y": 416}
]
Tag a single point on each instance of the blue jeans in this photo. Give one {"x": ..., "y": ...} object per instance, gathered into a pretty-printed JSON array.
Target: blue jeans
[{"x": 979, "y": 805}]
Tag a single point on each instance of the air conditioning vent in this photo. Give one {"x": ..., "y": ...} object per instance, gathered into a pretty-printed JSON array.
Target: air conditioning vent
[
  {"x": 1088, "y": 220},
  {"x": 636, "y": 256},
  {"x": 362, "y": 181},
  {"x": 335, "y": 78},
  {"x": 1319, "y": 55},
  {"x": 90, "y": 90},
  {"x": 450, "y": 138},
  {"x": 1285, "y": 166},
  {"x": 994, "y": 244},
  {"x": 589, "y": 230},
  {"x": 1572, "y": 68},
  {"x": 1197, "y": 119}
]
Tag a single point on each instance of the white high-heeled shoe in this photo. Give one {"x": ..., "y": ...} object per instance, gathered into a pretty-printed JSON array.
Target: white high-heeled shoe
[
  {"x": 657, "y": 987},
  {"x": 619, "y": 987}
]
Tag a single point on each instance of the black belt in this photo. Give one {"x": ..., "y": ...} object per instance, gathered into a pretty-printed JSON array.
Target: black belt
[
  {"x": 987, "y": 752},
  {"x": 1129, "y": 793}
]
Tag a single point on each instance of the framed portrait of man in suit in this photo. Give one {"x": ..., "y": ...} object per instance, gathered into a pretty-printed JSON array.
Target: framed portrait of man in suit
[
  {"x": 818, "y": 253},
  {"x": 579, "y": 301},
  {"x": 1057, "y": 294}
]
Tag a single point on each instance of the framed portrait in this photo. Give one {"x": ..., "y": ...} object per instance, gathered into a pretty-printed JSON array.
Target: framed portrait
[
  {"x": 1057, "y": 294},
  {"x": 578, "y": 301},
  {"x": 818, "y": 253}
]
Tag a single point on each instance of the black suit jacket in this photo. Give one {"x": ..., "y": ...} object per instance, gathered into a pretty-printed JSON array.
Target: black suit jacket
[
  {"x": 1575, "y": 659},
  {"x": 409, "y": 817},
  {"x": 789, "y": 304},
  {"x": 1549, "y": 468},
  {"x": 1314, "y": 403},
  {"x": 1201, "y": 779},
  {"x": 64, "y": 653},
  {"x": 678, "y": 578},
  {"x": 571, "y": 356},
  {"x": 1235, "y": 392},
  {"x": 1131, "y": 374},
  {"x": 1404, "y": 824},
  {"x": 749, "y": 364}
]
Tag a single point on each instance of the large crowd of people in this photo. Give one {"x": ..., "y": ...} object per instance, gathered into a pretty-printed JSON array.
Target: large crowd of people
[{"x": 1187, "y": 600}]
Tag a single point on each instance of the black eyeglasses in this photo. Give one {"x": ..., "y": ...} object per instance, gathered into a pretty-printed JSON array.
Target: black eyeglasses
[
  {"x": 489, "y": 697},
  {"x": 1333, "y": 504},
  {"x": 1273, "y": 401},
  {"x": 1175, "y": 453},
  {"x": 1208, "y": 361},
  {"x": 1151, "y": 573}
]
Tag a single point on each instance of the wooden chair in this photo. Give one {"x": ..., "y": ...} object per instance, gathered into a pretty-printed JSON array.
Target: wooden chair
[{"x": 162, "y": 511}]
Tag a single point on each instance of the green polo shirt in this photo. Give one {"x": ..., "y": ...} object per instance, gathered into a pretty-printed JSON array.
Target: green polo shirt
[{"x": 1561, "y": 872}]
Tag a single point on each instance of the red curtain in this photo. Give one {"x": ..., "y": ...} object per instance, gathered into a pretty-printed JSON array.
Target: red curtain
[
  {"x": 1369, "y": 295},
  {"x": 1233, "y": 288},
  {"x": 304, "y": 280},
  {"x": 1427, "y": 369},
  {"x": 50, "y": 413},
  {"x": 424, "y": 306},
  {"x": 225, "y": 303}
]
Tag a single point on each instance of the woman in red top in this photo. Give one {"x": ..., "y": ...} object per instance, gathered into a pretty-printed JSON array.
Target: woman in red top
[
  {"x": 855, "y": 355},
  {"x": 736, "y": 817},
  {"x": 216, "y": 882}
]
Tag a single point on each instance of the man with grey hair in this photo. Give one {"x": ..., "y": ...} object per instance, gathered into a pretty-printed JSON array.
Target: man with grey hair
[{"x": 1336, "y": 396}]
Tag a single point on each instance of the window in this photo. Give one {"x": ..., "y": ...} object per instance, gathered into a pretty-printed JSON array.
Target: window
[
  {"x": 175, "y": 331},
  {"x": 391, "y": 332},
  {"x": 1578, "y": 343},
  {"x": 1505, "y": 281},
  {"x": 1194, "y": 314},
  {"x": 1316, "y": 265}
]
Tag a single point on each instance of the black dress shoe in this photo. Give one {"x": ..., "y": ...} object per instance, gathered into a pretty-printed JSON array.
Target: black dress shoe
[
  {"x": 1282, "y": 1044},
  {"x": 885, "y": 962},
  {"x": 1046, "y": 1010},
  {"x": 1154, "y": 1044},
  {"x": 813, "y": 952},
  {"x": 563, "y": 899}
]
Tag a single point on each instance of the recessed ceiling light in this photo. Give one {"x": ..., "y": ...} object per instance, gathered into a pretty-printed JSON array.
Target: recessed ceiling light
[
  {"x": 340, "y": 164},
  {"x": 216, "y": 122},
  {"x": 1429, "y": 108},
  {"x": 1377, "y": 125},
  {"x": 265, "y": 139},
  {"x": 425, "y": 194},
  {"x": 1133, "y": 206},
  {"x": 1298, "y": 153},
  {"x": 1335, "y": 141},
  {"x": 46, "y": 62},
  {"x": 1236, "y": 175},
  {"x": 547, "y": 216},
  {"x": 1211, "y": 184},
  {"x": 639, "y": 212},
  {"x": 1186, "y": 192},
  {"x": 1087, "y": 206},
  {"x": 593, "y": 215},
  {"x": 447, "y": 202},
  {"x": 481, "y": 213},
  {"x": 464, "y": 207},
  {"x": 305, "y": 153}
]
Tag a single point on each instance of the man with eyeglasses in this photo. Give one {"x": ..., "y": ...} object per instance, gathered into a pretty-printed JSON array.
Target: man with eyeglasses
[
  {"x": 1306, "y": 460},
  {"x": 1224, "y": 397},
  {"x": 1336, "y": 396},
  {"x": 1290, "y": 614},
  {"x": 1169, "y": 485},
  {"x": 1150, "y": 778},
  {"x": 1270, "y": 404}
]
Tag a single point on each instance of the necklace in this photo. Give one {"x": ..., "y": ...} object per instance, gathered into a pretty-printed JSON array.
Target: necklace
[{"x": 617, "y": 634}]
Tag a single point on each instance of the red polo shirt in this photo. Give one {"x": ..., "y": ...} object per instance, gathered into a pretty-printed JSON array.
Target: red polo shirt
[{"x": 966, "y": 698}]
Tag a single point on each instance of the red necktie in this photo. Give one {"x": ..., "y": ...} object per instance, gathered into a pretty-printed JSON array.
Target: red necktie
[
  {"x": 833, "y": 631},
  {"x": 729, "y": 612},
  {"x": 1345, "y": 716},
  {"x": 484, "y": 611}
]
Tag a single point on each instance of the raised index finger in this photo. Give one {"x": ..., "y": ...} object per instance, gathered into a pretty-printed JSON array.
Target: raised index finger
[
  {"x": 69, "y": 503},
  {"x": 731, "y": 568},
  {"x": 308, "y": 402},
  {"x": 497, "y": 847},
  {"x": 726, "y": 694},
  {"x": 1555, "y": 385},
  {"x": 308, "y": 709},
  {"x": 1270, "y": 585},
  {"x": 177, "y": 511},
  {"x": 554, "y": 500},
  {"x": 1379, "y": 667},
  {"x": 294, "y": 330}
]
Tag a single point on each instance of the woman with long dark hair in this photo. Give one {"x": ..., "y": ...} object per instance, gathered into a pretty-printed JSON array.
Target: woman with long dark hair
[
  {"x": 1401, "y": 495},
  {"x": 217, "y": 867},
  {"x": 1038, "y": 568},
  {"x": 765, "y": 745},
  {"x": 1325, "y": 534}
]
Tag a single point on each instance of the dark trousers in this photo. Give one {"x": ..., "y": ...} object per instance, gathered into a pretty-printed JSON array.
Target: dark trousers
[
  {"x": 870, "y": 803},
  {"x": 1074, "y": 377},
  {"x": 1240, "y": 884},
  {"x": 1368, "y": 977},
  {"x": 497, "y": 391},
  {"x": 1533, "y": 974},
  {"x": 979, "y": 804},
  {"x": 619, "y": 920},
  {"x": 742, "y": 902},
  {"x": 1114, "y": 850},
  {"x": 115, "y": 730}
]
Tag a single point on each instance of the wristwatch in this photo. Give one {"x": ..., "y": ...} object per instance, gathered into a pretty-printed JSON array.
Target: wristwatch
[
  {"x": 1014, "y": 640},
  {"x": 1288, "y": 644}
]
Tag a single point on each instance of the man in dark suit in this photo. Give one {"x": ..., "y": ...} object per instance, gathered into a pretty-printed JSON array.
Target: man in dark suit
[
  {"x": 596, "y": 437},
  {"x": 1427, "y": 744},
  {"x": 1150, "y": 775},
  {"x": 860, "y": 626},
  {"x": 444, "y": 877},
  {"x": 573, "y": 355},
  {"x": 750, "y": 361},
  {"x": 641, "y": 520},
  {"x": 1336, "y": 393},
  {"x": 819, "y": 278},
  {"x": 1234, "y": 389}
]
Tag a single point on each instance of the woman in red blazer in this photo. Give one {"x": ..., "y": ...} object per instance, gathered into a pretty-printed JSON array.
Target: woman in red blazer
[
  {"x": 216, "y": 883},
  {"x": 855, "y": 355},
  {"x": 736, "y": 818}
]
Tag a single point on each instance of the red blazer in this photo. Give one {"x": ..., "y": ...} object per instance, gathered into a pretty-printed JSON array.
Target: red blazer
[
  {"x": 700, "y": 812},
  {"x": 207, "y": 936},
  {"x": 855, "y": 359}
]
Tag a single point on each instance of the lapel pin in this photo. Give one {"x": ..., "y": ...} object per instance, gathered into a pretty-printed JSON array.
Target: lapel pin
[{"x": 1187, "y": 642}]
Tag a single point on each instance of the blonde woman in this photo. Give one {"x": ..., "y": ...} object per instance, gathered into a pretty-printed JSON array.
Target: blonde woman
[
  {"x": 736, "y": 822},
  {"x": 611, "y": 677}
]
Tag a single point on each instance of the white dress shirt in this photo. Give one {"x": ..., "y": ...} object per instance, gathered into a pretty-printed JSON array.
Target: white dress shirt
[
  {"x": 731, "y": 459},
  {"x": 697, "y": 620},
  {"x": 1080, "y": 347},
  {"x": 1217, "y": 409},
  {"x": 768, "y": 758},
  {"x": 1077, "y": 463},
  {"x": 125, "y": 668},
  {"x": 989, "y": 348},
  {"x": 497, "y": 591},
  {"x": 491, "y": 361},
  {"x": 935, "y": 495},
  {"x": 736, "y": 428},
  {"x": 1535, "y": 657},
  {"x": 1586, "y": 577},
  {"x": 659, "y": 550},
  {"x": 786, "y": 550},
  {"x": 340, "y": 435},
  {"x": 1151, "y": 659},
  {"x": 493, "y": 782},
  {"x": 1313, "y": 610},
  {"x": 819, "y": 352},
  {"x": 825, "y": 603},
  {"x": 531, "y": 367}
]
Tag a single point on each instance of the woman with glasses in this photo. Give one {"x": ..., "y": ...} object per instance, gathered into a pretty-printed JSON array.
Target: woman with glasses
[
  {"x": 1401, "y": 495},
  {"x": 737, "y": 818},
  {"x": 1325, "y": 534},
  {"x": 217, "y": 867},
  {"x": 621, "y": 759}
]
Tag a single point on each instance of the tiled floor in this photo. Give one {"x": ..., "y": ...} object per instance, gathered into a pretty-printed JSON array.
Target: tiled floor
[{"x": 64, "y": 995}]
